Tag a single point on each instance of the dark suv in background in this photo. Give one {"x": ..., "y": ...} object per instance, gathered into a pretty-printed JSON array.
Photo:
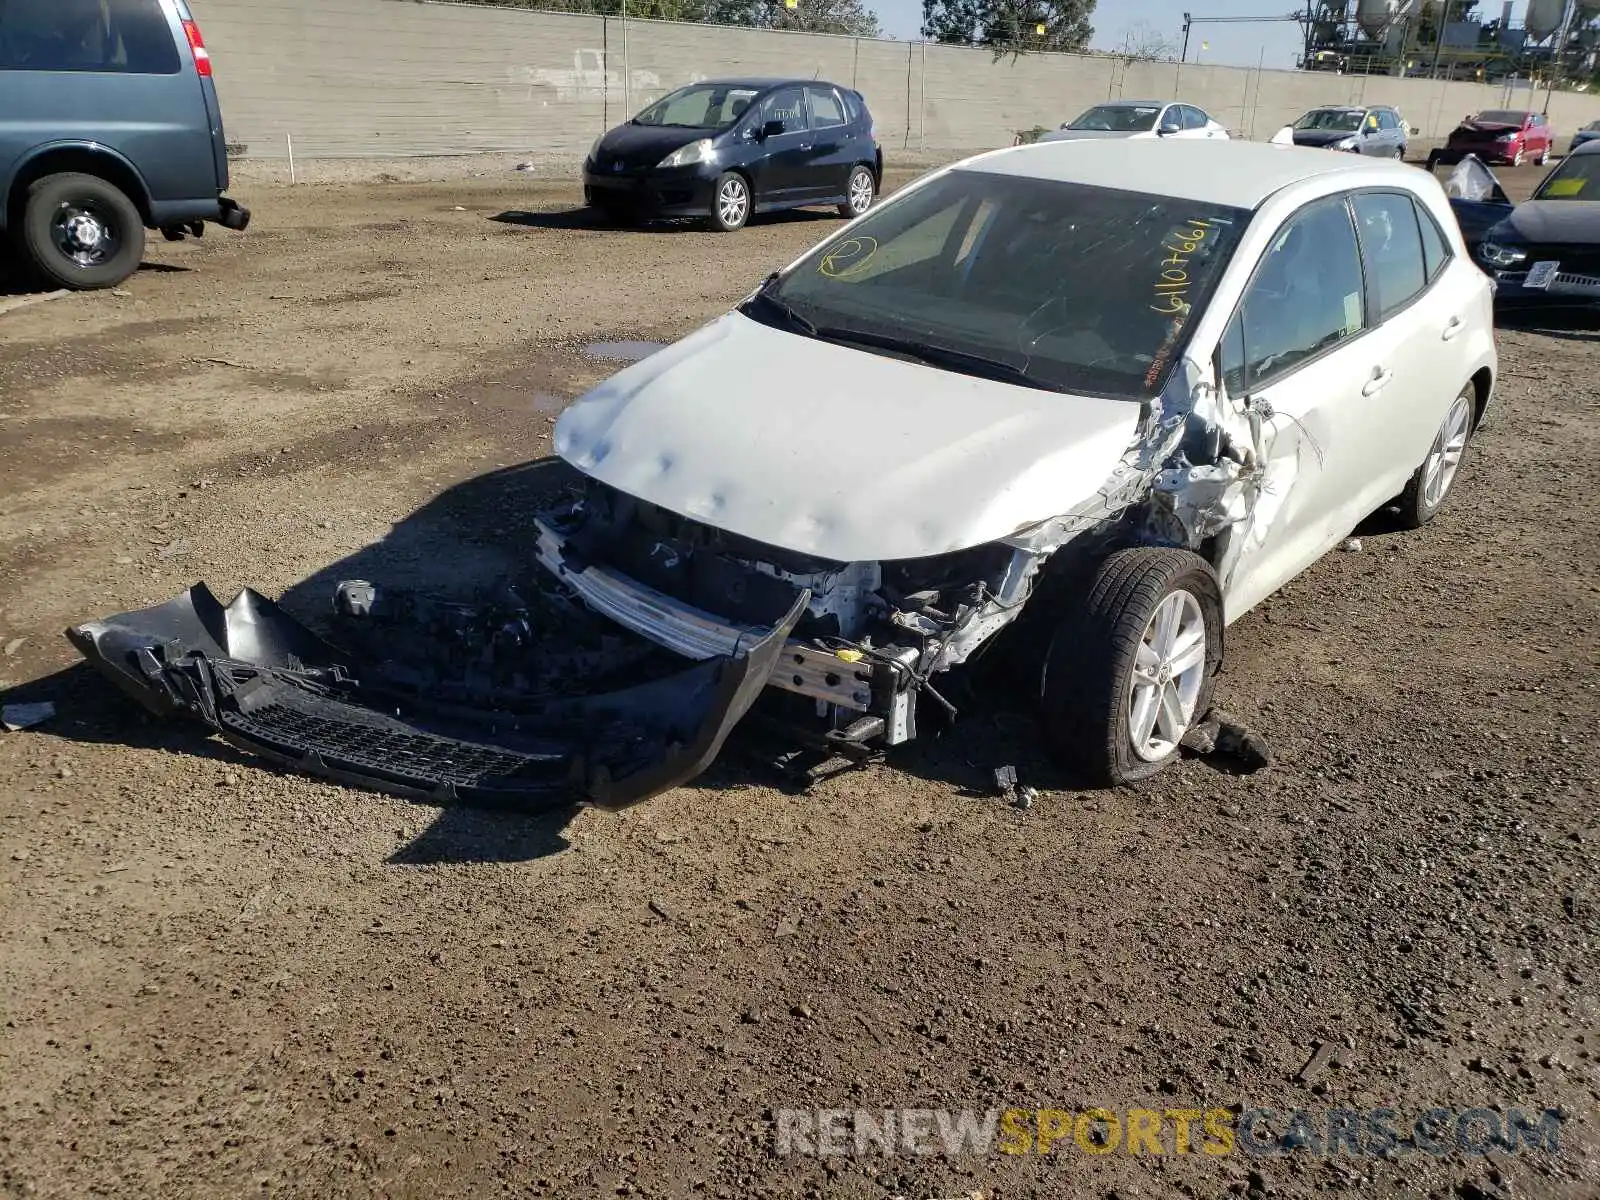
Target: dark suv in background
[
  {"x": 109, "y": 125},
  {"x": 725, "y": 149}
]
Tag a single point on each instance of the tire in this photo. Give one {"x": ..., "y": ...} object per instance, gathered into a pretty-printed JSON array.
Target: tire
[
  {"x": 1089, "y": 693},
  {"x": 80, "y": 232},
  {"x": 730, "y": 202},
  {"x": 859, "y": 192},
  {"x": 1516, "y": 159},
  {"x": 1544, "y": 156},
  {"x": 1431, "y": 483}
]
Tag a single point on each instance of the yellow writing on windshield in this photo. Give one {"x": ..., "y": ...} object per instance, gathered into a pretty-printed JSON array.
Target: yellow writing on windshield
[
  {"x": 1172, "y": 288},
  {"x": 848, "y": 257},
  {"x": 1565, "y": 187}
]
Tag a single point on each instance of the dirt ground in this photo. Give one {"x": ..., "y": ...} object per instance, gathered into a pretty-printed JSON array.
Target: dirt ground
[{"x": 218, "y": 980}]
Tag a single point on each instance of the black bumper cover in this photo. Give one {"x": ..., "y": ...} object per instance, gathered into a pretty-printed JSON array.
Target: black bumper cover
[{"x": 270, "y": 686}]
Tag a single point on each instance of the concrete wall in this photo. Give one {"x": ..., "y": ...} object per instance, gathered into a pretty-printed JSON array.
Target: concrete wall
[{"x": 395, "y": 78}]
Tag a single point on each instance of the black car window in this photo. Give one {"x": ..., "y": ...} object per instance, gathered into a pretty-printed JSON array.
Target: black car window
[
  {"x": 1435, "y": 250},
  {"x": 787, "y": 105},
  {"x": 1391, "y": 248},
  {"x": 1061, "y": 286},
  {"x": 1305, "y": 298},
  {"x": 1577, "y": 178},
  {"x": 827, "y": 111},
  {"x": 129, "y": 37}
]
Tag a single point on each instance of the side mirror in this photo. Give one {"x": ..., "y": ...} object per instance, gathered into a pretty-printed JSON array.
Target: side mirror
[
  {"x": 1416, "y": 131},
  {"x": 1168, "y": 127},
  {"x": 770, "y": 129}
]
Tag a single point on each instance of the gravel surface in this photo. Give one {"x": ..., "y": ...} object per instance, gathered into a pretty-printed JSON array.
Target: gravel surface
[{"x": 219, "y": 980}]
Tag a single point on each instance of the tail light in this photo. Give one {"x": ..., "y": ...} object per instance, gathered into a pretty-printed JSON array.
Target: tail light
[{"x": 202, "y": 56}]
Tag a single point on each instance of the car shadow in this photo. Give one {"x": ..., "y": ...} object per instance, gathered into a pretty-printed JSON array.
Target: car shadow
[
  {"x": 588, "y": 218},
  {"x": 1576, "y": 325},
  {"x": 18, "y": 283}
]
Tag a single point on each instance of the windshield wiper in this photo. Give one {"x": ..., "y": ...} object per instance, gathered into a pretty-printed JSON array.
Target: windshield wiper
[
  {"x": 765, "y": 296},
  {"x": 938, "y": 356}
]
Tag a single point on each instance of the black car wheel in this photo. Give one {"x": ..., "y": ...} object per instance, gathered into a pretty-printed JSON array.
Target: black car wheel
[
  {"x": 859, "y": 193},
  {"x": 1132, "y": 663},
  {"x": 81, "y": 232},
  {"x": 730, "y": 202}
]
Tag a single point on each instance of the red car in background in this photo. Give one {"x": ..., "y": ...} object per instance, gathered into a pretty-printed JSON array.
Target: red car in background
[{"x": 1499, "y": 135}]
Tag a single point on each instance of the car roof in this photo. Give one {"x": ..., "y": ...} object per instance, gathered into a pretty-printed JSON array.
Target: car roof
[
  {"x": 1236, "y": 174},
  {"x": 760, "y": 81},
  {"x": 1131, "y": 103},
  {"x": 1589, "y": 147}
]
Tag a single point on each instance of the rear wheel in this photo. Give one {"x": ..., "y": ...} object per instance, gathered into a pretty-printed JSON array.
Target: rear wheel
[
  {"x": 1131, "y": 668},
  {"x": 81, "y": 232},
  {"x": 730, "y": 202},
  {"x": 859, "y": 193},
  {"x": 1544, "y": 155},
  {"x": 1424, "y": 495},
  {"x": 1516, "y": 157}
]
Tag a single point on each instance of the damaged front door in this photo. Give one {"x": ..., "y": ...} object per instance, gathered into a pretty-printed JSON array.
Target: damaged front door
[{"x": 1296, "y": 353}]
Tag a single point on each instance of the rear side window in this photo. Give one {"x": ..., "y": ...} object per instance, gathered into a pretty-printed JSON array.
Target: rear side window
[
  {"x": 1435, "y": 250},
  {"x": 827, "y": 111},
  {"x": 1391, "y": 248},
  {"x": 1305, "y": 298},
  {"x": 787, "y": 106},
  {"x": 1193, "y": 118},
  {"x": 128, "y": 37}
]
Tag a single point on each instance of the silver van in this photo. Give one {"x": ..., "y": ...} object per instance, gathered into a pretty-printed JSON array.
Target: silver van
[{"x": 109, "y": 125}]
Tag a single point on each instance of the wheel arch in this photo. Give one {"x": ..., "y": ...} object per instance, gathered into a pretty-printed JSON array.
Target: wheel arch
[
  {"x": 84, "y": 158},
  {"x": 1482, "y": 388}
]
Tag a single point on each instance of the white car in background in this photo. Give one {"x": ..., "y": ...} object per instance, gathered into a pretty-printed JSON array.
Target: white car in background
[{"x": 1138, "y": 119}]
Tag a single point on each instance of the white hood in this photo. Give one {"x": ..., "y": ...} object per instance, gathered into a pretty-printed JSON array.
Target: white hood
[{"x": 837, "y": 452}]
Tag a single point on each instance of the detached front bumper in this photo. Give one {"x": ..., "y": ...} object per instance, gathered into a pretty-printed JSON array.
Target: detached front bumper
[
  {"x": 676, "y": 192},
  {"x": 268, "y": 685}
]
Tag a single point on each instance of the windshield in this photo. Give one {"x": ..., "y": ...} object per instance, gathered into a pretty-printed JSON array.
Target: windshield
[
  {"x": 700, "y": 106},
  {"x": 1060, "y": 286},
  {"x": 1577, "y": 178},
  {"x": 1336, "y": 119},
  {"x": 1499, "y": 116},
  {"x": 1120, "y": 118}
]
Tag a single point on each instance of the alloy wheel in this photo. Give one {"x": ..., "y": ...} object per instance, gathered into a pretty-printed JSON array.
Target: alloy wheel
[
  {"x": 1444, "y": 460},
  {"x": 733, "y": 202},
  {"x": 860, "y": 192},
  {"x": 1168, "y": 670}
]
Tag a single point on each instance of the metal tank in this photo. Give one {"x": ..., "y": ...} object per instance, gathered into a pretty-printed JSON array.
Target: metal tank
[
  {"x": 1544, "y": 18},
  {"x": 1374, "y": 16}
]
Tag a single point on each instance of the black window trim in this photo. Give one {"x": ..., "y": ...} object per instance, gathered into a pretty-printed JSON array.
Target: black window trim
[
  {"x": 1449, "y": 251},
  {"x": 1367, "y": 323}
]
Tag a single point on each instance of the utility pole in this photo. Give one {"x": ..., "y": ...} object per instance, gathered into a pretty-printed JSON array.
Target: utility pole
[
  {"x": 1184, "y": 57},
  {"x": 1555, "y": 55}
]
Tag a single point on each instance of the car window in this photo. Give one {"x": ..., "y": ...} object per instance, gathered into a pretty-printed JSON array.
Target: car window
[
  {"x": 129, "y": 37},
  {"x": 1577, "y": 178},
  {"x": 1340, "y": 120},
  {"x": 699, "y": 106},
  {"x": 1064, "y": 286},
  {"x": 1119, "y": 118},
  {"x": 1435, "y": 250},
  {"x": 1193, "y": 118},
  {"x": 788, "y": 106},
  {"x": 1386, "y": 120},
  {"x": 1391, "y": 248},
  {"x": 1305, "y": 298},
  {"x": 826, "y": 109},
  {"x": 1502, "y": 116}
]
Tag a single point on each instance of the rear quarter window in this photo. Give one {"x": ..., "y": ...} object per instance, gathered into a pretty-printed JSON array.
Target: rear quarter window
[{"x": 128, "y": 37}]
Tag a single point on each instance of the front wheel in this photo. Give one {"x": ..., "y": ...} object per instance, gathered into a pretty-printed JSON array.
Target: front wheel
[
  {"x": 81, "y": 232},
  {"x": 1516, "y": 158},
  {"x": 730, "y": 202},
  {"x": 1424, "y": 495},
  {"x": 1544, "y": 156},
  {"x": 1131, "y": 668},
  {"x": 858, "y": 194}
]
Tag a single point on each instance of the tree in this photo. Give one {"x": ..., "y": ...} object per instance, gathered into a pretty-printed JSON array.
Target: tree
[
  {"x": 1143, "y": 42},
  {"x": 1009, "y": 26},
  {"x": 819, "y": 16},
  {"x": 813, "y": 16}
]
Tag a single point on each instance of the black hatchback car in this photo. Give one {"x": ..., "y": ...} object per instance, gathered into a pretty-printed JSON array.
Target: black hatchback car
[{"x": 725, "y": 149}]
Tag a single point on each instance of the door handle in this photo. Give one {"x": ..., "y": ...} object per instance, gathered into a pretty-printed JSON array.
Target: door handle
[
  {"x": 1380, "y": 380},
  {"x": 1452, "y": 327},
  {"x": 805, "y": 145}
]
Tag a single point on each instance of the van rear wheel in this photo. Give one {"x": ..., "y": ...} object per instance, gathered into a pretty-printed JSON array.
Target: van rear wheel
[{"x": 80, "y": 232}]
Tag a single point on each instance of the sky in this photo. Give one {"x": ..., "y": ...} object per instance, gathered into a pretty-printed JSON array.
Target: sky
[{"x": 1229, "y": 45}]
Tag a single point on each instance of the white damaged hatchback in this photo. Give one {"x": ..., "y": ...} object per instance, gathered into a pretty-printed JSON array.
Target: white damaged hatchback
[
  {"x": 1128, "y": 390},
  {"x": 1088, "y": 401}
]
